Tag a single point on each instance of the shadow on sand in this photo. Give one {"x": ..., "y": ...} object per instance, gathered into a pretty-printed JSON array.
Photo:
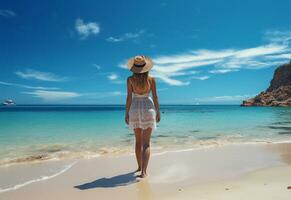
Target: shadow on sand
[{"x": 120, "y": 180}]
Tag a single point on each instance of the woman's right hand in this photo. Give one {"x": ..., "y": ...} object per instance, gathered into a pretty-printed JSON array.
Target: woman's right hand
[{"x": 127, "y": 118}]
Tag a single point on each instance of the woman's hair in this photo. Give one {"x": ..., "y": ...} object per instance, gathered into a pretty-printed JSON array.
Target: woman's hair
[{"x": 141, "y": 80}]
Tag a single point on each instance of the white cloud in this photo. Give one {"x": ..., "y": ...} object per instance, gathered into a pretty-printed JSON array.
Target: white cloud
[
  {"x": 184, "y": 73},
  {"x": 260, "y": 51},
  {"x": 277, "y": 36},
  {"x": 215, "y": 99},
  {"x": 7, "y": 13},
  {"x": 113, "y": 39},
  {"x": 280, "y": 56},
  {"x": 201, "y": 78},
  {"x": 116, "y": 93},
  {"x": 27, "y": 86},
  {"x": 38, "y": 75},
  {"x": 169, "y": 80},
  {"x": 221, "y": 61},
  {"x": 225, "y": 58},
  {"x": 59, "y": 96},
  {"x": 260, "y": 64},
  {"x": 175, "y": 69},
  {"x": 192, "y": 56},
  {"x": 112, "y": 77},
  {"x": 86, "y": 29},
  {"x": 237, "y": 64},
  {"x": 52, "y": 96},
  {"x": 126, "y": 36},
  {"x": 123, "y": 65},
  {"x": 222, "y": 71}
]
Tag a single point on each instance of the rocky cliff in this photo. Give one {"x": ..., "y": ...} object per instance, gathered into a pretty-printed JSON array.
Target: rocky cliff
[{"x": 279, "y": 91}]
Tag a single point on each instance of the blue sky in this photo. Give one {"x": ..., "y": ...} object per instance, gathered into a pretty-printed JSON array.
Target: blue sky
[{"x": 205, "y": 52}]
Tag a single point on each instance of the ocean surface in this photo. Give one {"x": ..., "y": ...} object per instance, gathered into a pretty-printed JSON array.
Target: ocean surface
[{"x": 30, "y": 133}]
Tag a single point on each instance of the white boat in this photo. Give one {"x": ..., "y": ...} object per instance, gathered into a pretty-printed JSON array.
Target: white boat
[{"x": 8, "y": 102}]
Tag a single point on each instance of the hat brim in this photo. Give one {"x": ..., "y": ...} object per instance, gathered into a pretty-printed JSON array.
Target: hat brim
[{"x": 148, "y": 66}]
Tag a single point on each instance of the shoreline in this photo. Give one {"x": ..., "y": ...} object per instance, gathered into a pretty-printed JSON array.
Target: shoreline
[
  {"x": 231, "y": 161},
  {"x": 129, "y": 150}
]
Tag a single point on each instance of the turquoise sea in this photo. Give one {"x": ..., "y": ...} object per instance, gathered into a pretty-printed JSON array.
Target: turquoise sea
[{"x": 43, "y": 132}]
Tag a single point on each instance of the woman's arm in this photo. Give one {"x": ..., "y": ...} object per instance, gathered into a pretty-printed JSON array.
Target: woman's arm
[
  {"x": 156, "y": 100},
  {"x": 128, "y": 100}
]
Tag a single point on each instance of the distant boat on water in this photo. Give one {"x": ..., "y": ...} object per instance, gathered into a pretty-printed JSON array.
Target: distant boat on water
[{"x": 8, "y": 102}]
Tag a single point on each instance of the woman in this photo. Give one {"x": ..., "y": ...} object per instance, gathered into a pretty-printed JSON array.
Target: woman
[{"x": 142, "y": 112}]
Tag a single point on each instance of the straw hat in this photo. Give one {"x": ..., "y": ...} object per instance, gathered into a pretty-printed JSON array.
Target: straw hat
[{"x": 140, "y": 64}]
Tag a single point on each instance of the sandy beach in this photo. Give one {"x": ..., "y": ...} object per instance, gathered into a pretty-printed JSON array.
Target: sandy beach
[{"x": 236, "y": 171}]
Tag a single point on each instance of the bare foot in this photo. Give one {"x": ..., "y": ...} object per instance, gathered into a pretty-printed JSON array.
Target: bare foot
[
  {"x": 143, "y": 175},
  {"x": 138, "y": 169}
]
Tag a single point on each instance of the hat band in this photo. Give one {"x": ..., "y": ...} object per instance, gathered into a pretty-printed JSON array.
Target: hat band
[{"x": 142, "y": 65}]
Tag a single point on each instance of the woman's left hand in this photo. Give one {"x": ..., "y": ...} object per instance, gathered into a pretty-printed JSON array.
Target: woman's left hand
[
  {"x": 158, "y": 117},
  {"x": 127, "y": 118}
]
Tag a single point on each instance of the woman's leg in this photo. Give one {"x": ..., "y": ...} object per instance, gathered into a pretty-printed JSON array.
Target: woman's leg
[
  {"x": 138, "y": 147},
  {"x": 146, "y": 136}
]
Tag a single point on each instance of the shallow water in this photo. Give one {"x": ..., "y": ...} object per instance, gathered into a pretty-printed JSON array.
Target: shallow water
[{"x": 29, "y": 133}]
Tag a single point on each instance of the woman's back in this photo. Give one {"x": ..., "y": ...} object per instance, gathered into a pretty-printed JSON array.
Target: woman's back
[{"x": 137, "y": 87}]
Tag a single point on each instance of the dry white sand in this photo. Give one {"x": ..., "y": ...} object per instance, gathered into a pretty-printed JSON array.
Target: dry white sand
[{"x": 265, "y": 184}]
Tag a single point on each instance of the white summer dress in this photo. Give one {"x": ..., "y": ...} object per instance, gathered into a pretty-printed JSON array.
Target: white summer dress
[{"x": 142, "y": 113}]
